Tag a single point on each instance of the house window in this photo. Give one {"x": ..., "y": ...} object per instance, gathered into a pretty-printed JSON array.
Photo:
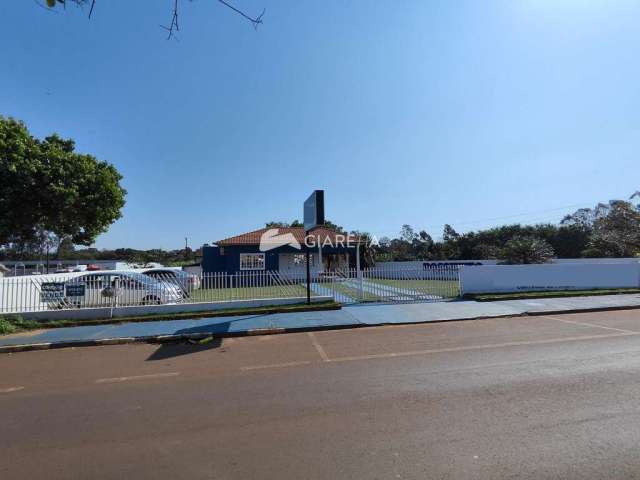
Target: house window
[
  {"x": 252, "y": 261},
  {"x": 301, "y": 259}
]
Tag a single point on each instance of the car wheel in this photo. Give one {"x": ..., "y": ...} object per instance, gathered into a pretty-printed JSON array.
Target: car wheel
[{"x": 151, "y": 300}]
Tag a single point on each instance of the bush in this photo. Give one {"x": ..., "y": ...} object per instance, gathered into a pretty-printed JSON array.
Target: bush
[
  {"x": 526, "y": 249},
  {"x": 15, "y": 323}
]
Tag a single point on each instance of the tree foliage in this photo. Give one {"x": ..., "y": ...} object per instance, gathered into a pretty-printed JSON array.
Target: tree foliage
[
  {"x": 616, "y": 234},
  {"x": 525, "y": 250},
  {"x": 298, "y": 223},
  {"x": 610, "y": 229},
  {"x": 49, "y": 192}
]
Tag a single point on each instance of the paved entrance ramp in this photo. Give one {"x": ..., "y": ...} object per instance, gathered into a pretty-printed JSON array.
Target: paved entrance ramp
[{"x": 428, "y": 312}]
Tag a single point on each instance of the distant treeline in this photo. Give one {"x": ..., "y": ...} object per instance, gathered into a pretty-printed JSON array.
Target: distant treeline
[
  {"x": 131, "y": 255},
  {"x": 609, "y": 229}
]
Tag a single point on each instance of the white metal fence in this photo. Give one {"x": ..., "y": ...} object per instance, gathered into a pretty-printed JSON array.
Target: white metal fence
[{"x": 130, "y": 288}]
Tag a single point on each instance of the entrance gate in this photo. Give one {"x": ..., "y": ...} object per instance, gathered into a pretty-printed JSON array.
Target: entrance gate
[{"x": 387, "y": 285}]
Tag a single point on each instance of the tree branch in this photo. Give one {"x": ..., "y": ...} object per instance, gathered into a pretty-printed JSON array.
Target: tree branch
[
  {"x": 174, "y": 27},
  {"x": 255, "y": 21}
]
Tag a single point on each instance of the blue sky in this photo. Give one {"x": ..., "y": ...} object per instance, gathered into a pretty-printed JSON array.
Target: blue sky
[{"x": 421, "y": 112}]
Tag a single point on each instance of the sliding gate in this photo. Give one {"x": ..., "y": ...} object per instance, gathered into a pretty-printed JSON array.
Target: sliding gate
[{"x": 434, "y": 284}]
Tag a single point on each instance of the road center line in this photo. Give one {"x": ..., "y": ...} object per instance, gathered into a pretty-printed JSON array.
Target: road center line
[
  {"x": 137, "y": 377},
  {"x": 481, "y": 347},
  {"x": 274, "y": 365},
  {"x": 318, "y": 347},
  {"x": 11, "y": 389},
  {"x": 585, "y": 324}
]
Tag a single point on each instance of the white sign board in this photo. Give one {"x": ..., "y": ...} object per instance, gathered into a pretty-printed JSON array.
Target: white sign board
[{"x": 525, "y": 278}]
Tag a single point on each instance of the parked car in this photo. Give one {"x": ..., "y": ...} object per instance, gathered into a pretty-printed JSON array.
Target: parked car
[
  {"x": 183, "y": 280},
  {"x": 109, "y": 288}
]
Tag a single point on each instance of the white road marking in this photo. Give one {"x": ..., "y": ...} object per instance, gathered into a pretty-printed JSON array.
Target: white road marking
[
  {"x": 318, "y": 347},
  {"x": 481, "y": 347},
  {"x": 138, "y": 377},
  {"x": 11, "y": 389},
  {"x": 588, "y": 324},
  {"x": 274, "y": 365}
]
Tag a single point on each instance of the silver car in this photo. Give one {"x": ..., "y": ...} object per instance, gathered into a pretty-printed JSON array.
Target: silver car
[
  {"x": 114, "y": 288},
  {"x": 186, "y": 282}
]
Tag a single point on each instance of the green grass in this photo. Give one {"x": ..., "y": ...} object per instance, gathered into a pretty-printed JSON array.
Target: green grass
[
  {"x": 491, "y": 297},
  {"x": 249, "y": 293},
  {"x": 351, "y": 292},
  {"x": 445, "y": 288},
  {"x": 14, "y": 323}
]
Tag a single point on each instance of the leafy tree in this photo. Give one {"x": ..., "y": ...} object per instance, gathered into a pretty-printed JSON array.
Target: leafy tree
[
  {"x": 617, "y": 233},
  {"x": 65, "y": 248},
  {"x": 423, "y": 246},
  {"x": 49, "y": 192},
  {"x": 526, "y": 249},
  {"x": 450, "y": 243},
  {"x": 367, "y": 250},
  {"x": 407, "y": 234},
  {"x": 569, "y": 241},
  {"x": 298, "y": 223},
  {"x": 449, "y": 234},
  {"x": 276, "y": 224},
  {"x": 613, "y": 228}
]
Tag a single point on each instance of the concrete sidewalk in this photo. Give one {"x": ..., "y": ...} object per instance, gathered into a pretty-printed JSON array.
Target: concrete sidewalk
[{"x": 351, "y": 316}]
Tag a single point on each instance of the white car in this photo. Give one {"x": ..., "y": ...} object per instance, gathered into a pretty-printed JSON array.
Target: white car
[
  {"x": 115, "y": 288},
  {"x": 186, "y": 282}
]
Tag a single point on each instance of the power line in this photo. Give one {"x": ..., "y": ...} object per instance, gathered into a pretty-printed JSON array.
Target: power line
[{"x": 505, "y": 217}]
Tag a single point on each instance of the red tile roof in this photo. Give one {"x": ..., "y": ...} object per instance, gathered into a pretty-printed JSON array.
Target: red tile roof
[{"x": 253, "y": 238}]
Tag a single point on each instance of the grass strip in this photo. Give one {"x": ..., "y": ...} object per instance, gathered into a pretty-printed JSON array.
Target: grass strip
[
  {"x": 15, "y": 323},
  {"x": 493, "y": 297}
]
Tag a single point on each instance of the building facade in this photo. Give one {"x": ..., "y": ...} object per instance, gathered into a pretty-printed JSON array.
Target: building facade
[{"x": 281, "y": 250}]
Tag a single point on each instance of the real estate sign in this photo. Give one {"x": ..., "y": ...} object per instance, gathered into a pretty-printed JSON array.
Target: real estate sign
[{"x": 314, "y": 210}]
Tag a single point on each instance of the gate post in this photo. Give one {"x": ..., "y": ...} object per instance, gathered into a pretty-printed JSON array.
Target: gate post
[{"x": 359, "y": 272}]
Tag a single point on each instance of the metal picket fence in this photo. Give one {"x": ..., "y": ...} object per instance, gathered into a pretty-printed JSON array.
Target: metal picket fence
[
  {"x": 130, "y": 288},
  {"x": 397, "y": 285}
]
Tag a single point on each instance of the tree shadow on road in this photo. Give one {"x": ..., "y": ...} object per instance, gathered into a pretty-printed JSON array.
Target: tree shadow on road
[
  {"x": 208, "y": 337},
  {"x": 171, "y": 350}
]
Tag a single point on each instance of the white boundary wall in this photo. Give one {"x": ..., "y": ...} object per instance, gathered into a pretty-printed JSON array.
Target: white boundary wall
[
  {"x": 416, "y": 264},
  {"x": 565, "y": 276}
]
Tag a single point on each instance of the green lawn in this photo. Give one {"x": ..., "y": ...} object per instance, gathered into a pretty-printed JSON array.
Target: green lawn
[
  {"x": 248, "y": 293},
  {"x": 444, "y": 288},
  {"x": 351, "y": 292},
  {"x": 15, "y": 323}
]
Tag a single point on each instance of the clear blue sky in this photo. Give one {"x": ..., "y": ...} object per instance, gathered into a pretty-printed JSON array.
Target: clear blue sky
[{"x": 419, "y": 112}]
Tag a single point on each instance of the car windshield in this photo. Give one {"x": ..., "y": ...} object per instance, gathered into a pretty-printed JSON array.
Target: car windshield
[
  {"x": 167, "y": 274},
  {"x": 142, "y": 279}
]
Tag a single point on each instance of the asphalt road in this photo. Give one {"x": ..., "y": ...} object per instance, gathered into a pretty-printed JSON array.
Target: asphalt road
[{"x": 536, "y": 397}]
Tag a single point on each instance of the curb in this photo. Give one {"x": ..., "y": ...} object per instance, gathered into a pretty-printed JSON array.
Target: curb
[
  {"x": 583, "y": 310},
  {"x": 276, "y": 331},
  {"x": 170, "y": 338}
]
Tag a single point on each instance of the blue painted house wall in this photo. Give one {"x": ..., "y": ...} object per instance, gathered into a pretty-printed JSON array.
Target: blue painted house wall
[{"x": 227, "y": 258}]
